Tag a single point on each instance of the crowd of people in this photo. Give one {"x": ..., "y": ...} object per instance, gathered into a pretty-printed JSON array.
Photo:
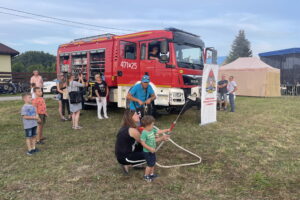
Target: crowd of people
[
  {"x": 136, "y": 139},
  {"x": 34, "y": 111}
]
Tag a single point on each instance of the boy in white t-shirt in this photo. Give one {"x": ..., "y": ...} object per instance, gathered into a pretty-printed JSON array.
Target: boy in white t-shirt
[{"x": 231, "y": 88}]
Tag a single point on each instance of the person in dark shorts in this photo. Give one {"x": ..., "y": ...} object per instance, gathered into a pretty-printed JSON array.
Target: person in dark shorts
[
  {"x": 30, "y": 120},
  {"x": 64, "y": 98},
  {"x": 60, "y": 84},
  {"x": 149, "y": 138},
  {"x": 222, "y": 92}
]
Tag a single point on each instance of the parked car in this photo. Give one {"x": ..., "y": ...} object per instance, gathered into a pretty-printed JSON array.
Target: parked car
[{"x": 50, "y": 86}]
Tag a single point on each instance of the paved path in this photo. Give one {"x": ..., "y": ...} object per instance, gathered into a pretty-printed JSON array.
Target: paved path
[{"x": 13, "y": 98}]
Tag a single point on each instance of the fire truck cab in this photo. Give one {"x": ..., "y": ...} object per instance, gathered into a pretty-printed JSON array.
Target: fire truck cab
[{"x": 173, "y": 59}]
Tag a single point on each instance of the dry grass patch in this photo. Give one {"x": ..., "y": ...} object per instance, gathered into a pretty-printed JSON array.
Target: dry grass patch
[{"x": 250, "y": 154}]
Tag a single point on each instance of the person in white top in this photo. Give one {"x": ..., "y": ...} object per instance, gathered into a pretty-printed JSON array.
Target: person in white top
[{"x": 231, "y": 88}]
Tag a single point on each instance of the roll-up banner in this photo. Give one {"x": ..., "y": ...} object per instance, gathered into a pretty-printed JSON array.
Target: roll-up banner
[{"x": 209, "y": 94}]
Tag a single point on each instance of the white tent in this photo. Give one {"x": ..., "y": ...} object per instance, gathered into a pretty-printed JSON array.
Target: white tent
[{"x": 253, "y": 77}]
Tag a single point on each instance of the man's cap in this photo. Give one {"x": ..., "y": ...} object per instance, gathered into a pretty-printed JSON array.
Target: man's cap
[{"x": 146, "y": 79}]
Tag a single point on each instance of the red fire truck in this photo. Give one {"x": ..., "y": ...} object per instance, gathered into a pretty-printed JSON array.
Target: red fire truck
[{"x": 123, "y": 59}]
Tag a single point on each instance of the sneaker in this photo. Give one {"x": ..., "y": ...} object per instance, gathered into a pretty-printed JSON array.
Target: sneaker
[
  {"x": 106, "y": 117},
  {"x": 100, "y": 117},
  {"x": 153, "y": 176},
  {"x": 29, "y": 153},
  {"x": 148, "y": 179},
  {"x": 78, "y": 127},
  {"x": 35, "y": 150}
]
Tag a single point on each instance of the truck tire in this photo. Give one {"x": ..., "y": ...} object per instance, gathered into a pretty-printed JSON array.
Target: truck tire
[{"x": 53, "y": 90}]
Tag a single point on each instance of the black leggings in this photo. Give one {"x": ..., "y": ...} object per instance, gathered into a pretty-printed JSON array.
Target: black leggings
[
  {"x": 65, "y": 103},
  {"x": 134, "y": 156}
]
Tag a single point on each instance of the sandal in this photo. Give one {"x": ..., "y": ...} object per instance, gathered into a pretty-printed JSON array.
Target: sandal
[{"x": 77, "y": 127}]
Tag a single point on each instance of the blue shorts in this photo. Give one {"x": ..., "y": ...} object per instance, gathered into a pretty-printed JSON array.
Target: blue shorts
[
  {"x": 150, "y": 158},
  {"x": 30, "y": 132}
]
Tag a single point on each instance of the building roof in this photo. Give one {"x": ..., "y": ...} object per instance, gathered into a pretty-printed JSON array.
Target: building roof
[
  {"x": 7, "y": 50},
  {"x": 280, "y": 52},
  {"x": 247, "y": 63}
]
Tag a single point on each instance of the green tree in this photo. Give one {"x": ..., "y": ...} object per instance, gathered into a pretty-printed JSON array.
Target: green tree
[
  {"x": 39, "y": 67},
  {"x": 44, "y": 62},
  {"x": 239, "y": 48},
  {"x": 18, "y": 67}
]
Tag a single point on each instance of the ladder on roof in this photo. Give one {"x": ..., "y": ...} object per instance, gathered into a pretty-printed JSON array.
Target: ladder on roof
[{"x": 90, "y": 38}]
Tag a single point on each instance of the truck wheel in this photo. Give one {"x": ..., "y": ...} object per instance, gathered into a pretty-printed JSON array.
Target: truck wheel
[
  {"x": 53, "y": 90},
  {"x": 171, "y": 110},
  {"x": 153, "y": 110}
]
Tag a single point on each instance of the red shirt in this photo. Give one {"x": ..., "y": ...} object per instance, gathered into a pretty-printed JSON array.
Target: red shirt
[{"x": 40, "y": 105}]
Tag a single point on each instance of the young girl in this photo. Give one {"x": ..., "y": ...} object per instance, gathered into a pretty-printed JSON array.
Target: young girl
[{"x": 101, "y": 90}]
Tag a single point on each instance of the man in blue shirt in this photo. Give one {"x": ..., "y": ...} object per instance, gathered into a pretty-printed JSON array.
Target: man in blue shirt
[{"x": 140, "y": 95}]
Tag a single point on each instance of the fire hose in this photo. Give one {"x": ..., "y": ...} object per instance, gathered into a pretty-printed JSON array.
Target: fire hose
[{"x": 141, "y": 162}]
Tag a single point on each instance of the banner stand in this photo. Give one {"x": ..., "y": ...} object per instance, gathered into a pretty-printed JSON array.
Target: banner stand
[{"x": 209, "y": 94}]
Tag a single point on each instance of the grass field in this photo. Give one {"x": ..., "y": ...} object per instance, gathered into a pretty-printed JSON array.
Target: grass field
[{"x": 250, "y": 154}]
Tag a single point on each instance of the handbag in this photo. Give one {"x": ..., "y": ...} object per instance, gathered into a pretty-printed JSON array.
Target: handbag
[{"x": 75, "y": 96}]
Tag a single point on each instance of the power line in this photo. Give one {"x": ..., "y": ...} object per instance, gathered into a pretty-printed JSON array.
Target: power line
[
  {"x": 53, "y": 22},
  {"x": 69, "y": 21}
]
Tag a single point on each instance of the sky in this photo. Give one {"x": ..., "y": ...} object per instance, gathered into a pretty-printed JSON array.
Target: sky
[{"x": 269, "y": 24}]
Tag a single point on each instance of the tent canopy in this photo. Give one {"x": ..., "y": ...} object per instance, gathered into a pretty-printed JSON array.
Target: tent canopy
[
  {"x": 249, "y": 63},
  {"x": 253, "y": 77}
]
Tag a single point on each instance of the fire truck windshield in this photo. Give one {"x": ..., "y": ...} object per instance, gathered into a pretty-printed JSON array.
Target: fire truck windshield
[{"x": 188, "y": 56}]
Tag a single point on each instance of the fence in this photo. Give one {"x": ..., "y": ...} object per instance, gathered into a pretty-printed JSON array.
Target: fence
[{"x": 24, "y": 77}]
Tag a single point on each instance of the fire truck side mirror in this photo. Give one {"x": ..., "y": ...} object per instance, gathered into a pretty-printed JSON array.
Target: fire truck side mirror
[
  {"x": 164, "y": 58},
  {"x": 164, "y": 47},
  {"x": 213, "y": 55}
]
